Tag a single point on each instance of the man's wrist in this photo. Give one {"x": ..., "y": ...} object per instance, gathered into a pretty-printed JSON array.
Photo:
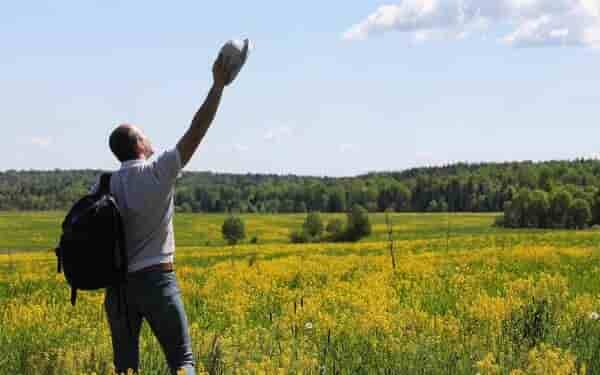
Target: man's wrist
[{"x": 218, "y": 86}]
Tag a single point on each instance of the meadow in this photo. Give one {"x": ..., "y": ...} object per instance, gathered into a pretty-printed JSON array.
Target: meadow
[{"x": 465, "y": 298}]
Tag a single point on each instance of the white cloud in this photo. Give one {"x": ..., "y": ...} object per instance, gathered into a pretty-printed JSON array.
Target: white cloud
[
  {"x": 592, "y": 7},
  {"x": 43, "y": 142},
  {"x": 278, "y": 133},
  {"x": 533, "y": 22}
]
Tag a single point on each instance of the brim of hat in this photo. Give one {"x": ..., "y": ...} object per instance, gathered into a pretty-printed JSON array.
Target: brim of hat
[{"x": 244, "y": 57}]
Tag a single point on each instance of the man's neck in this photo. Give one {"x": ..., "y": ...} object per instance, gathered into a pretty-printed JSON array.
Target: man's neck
[{"x": 131, "y": 162}]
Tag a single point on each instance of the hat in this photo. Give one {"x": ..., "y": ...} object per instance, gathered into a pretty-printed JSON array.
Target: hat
[{"x": 234, "y": 54}]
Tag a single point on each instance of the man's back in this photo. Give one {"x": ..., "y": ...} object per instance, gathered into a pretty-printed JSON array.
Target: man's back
[{"x": 144, "y": 192}]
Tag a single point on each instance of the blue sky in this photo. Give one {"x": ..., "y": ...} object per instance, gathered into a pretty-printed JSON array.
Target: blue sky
[{"x": 331, "y": 88}]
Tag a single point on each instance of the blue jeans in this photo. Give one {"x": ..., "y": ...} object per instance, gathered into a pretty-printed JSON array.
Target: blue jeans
[{"x": 153, "y": 296}]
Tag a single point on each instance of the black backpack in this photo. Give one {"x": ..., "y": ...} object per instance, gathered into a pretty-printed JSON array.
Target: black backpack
[{"x": 92, "y": 250}]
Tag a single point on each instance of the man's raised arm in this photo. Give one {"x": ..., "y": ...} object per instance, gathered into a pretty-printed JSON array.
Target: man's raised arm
[{"x": 188, "y": 144}]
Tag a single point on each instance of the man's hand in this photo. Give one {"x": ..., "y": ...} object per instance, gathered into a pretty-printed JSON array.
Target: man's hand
[
  {"x": 188, "y": 144},
  {"x": 220, "y": 73}
]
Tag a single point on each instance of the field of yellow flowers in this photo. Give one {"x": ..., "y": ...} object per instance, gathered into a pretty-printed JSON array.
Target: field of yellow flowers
[{"x": 464, "y": 298}]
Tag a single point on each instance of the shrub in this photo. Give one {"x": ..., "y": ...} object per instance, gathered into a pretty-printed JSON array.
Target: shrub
[
  {"x": 334, "y": 225},
  {"x": 358, "y": 225},
  {"x": 233, "y": 230},
  {"x": 335, "y": 229},
  {"x": 499, "y": 221},
  {"x": 311, "y": 231},
  {"x": 299, "y": 236},
  {"x": 313, "y": 225}
]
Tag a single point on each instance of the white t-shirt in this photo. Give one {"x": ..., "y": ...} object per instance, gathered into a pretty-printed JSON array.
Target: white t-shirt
[{"x": 144, "y": 191}]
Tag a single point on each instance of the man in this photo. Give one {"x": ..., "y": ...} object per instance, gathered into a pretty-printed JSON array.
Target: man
[{"x": 144, "y": 192}]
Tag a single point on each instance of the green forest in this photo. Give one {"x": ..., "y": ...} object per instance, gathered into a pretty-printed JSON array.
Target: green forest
[{"x": 531, "y": 194}]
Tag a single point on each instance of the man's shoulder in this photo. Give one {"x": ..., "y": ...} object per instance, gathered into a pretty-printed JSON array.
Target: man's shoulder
[{"x": 167, "y": 166}]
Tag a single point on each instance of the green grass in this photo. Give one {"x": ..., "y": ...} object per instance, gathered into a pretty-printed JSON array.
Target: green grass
[
  {"x": 41, "y": 331},
  {"x": 27, "y": 231}
]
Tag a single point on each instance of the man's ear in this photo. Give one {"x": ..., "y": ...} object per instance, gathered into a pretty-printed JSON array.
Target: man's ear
[{"x": 140, "y": 149}]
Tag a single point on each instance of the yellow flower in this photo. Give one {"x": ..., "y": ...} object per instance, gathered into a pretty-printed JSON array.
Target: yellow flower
[{"x": 488, "y": 366}]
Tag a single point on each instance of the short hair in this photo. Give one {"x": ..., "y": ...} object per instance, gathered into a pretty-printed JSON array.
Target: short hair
[{"x": 122, "y": 143}]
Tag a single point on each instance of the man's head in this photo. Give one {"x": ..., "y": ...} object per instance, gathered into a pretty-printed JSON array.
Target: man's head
[{"x": 128, "y": 142}]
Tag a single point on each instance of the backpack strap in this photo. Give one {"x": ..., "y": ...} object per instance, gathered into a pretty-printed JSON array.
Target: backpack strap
[{"x": 104, "y": 183}]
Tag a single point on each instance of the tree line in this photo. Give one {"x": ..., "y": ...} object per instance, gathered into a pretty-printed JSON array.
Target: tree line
[
  {"x": 460, "y": 187},
  {"x": 559, "y": 208}
]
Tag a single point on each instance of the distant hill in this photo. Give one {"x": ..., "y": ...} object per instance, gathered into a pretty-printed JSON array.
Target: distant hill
[{"x": 481, "y": 187}]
